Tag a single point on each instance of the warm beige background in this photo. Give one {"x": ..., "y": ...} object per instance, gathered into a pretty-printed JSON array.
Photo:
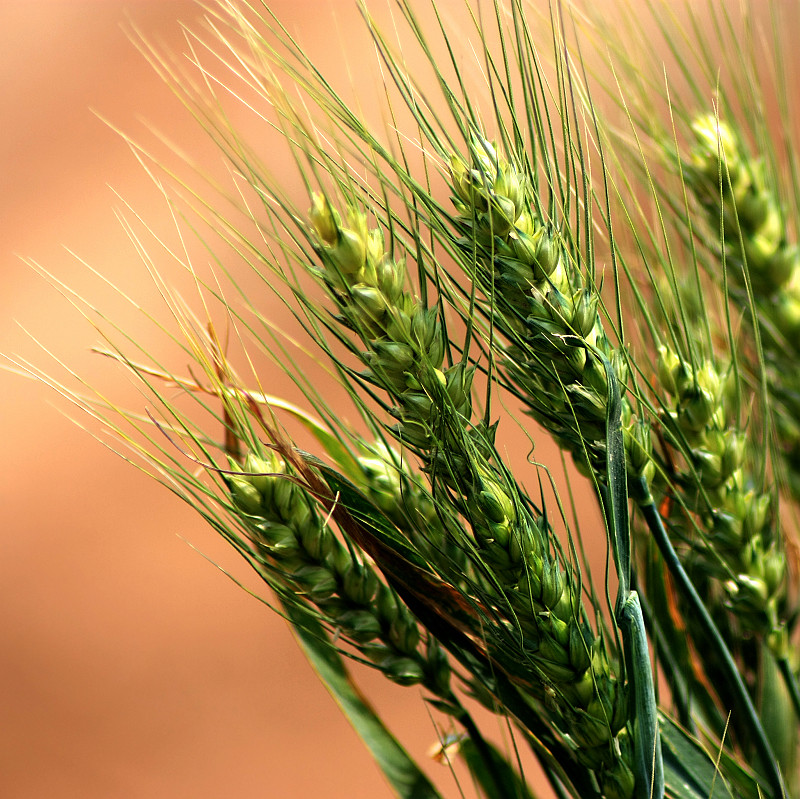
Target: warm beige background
[{"x": 129, "y": 666}]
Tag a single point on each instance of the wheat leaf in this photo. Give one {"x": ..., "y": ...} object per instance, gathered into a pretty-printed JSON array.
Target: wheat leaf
[{"x": 400, "y": 770}]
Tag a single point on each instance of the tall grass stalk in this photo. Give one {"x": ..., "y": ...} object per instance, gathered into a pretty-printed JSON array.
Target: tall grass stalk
[{"x": 552, "y": 234}]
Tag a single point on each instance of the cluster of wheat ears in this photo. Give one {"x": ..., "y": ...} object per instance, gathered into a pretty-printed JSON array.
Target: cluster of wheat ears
[{"x": 598, "y": 248}]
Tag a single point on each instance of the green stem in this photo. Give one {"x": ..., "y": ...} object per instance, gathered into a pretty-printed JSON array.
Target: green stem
[
  {"x": 483, "y": 749},
  {"x": 662, "y": 654},
  {"x": 648, "y": 745},
  {"x": 790, "y": 679},
  {"x": 736, "y": 685}
]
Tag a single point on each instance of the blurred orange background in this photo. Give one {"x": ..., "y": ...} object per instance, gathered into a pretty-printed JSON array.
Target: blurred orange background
[{"x": 129, "y": 665}]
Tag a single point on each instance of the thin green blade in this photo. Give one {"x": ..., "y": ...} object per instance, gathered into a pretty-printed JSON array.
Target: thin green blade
[
  {"x": 400, "y": 770},
  {"x": 496, "y": 778},
  {"x": 690, "y": 773}
]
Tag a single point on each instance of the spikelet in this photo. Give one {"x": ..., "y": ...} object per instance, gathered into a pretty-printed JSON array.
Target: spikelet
[{"x": 548, "y": 310}]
